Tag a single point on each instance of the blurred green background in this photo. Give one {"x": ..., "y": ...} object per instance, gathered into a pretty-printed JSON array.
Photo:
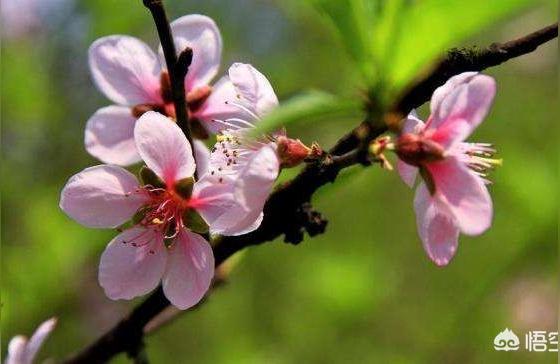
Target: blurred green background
[{"x": 364, "y": 292}]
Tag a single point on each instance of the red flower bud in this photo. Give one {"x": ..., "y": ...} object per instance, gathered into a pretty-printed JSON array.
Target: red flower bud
[{"x": 292, "y": 151}]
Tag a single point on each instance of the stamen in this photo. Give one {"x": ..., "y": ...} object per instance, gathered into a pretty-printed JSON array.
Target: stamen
[
  {"x": 162, "y": 214},
  {"x": 137, "y": 237},
  {"x": 242, "y": 107},
  {"x": 227, "y": 124},
  {"x": 489, "y": 163},
  {"x": 241, "y": 121},
  {"x": 478, "y": 157}
]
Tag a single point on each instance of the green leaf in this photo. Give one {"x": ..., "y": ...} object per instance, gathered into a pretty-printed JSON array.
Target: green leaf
[
  {"x": 352, "y": 21},
  {"x": 385, "y": 33},
  {"x": 392, "y": 41},
  {"x": 306, "y": 106},
  {"x": 430, "y": 27}
]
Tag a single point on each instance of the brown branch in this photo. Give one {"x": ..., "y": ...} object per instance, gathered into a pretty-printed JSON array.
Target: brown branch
[
  {"x": 456, "y": 61},
  {"x": 288, "y": 211},
  {"x": 472, "y": 59},
  {"x": 177, "y": 67}
]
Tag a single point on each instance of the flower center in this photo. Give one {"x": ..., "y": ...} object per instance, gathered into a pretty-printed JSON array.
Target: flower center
[
  {"x": 194, "y": 99},
  {"x": 164, "y": 211},
  {"x": 169, "y": 209}
]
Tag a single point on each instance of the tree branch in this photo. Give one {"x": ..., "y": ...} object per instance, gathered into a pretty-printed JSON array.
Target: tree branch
[
  {"x": 456, "y": 61},
  {"x": 288, "y": 211},
  {"x": 472, "y": 59},
  {"x": 177, "y": 68}
]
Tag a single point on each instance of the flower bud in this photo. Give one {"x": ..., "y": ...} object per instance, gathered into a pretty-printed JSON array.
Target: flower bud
[
  {"x": 292, "y": 151},
  {"x": 416, "y": 149}
]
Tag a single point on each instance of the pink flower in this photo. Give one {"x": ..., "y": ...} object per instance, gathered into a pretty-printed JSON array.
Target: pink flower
[
  {"x": 452, "y": 197},
  {"x": 22, "y": 350},
  {"x": 130, "y": 74},
  {"x": 244, "y": 97},
  {"x": 236, "y": 147},
  {"x": 167, "y": 212}
]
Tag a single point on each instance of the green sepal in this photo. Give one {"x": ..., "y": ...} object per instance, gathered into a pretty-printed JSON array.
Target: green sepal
[
  {"x": 139, "y": 215},
  {"x": 168, "y": 242},
  {"x": 184, "y": 187},
  {"x": 194, "y": 222},
  {"x": 125, "y": 226},
  {"x": 149, "y": 177},
  {"x": 428, "y": 179}
]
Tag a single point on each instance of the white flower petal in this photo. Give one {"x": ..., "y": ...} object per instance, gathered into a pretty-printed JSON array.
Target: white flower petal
[
  {"x": 109, "y": 136},
  {"x": 200, "y": 33},
  {"x": 133, "y": 263},
  {"x": 101, "y": 196},
  {"x": 126, "y": 70},
  {"x": 189, "y": 271},
  {"x": 254, "y": 89},
  {"x": 163, "y": 147}
]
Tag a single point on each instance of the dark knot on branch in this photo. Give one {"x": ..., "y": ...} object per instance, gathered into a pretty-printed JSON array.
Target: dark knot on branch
[{"x": 306, "y": 219}]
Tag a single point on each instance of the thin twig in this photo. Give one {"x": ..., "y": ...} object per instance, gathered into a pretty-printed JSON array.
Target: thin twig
[
  {"x": 287, "y": 209},
  {"x": 177, "y": 70},
  {"x": 472, "y": 59}
]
